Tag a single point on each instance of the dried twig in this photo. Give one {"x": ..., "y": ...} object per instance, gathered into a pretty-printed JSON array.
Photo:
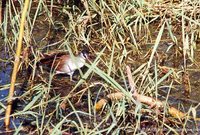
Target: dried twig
[
  {"x": 151, "y": 101},
  {"x": 16, "y": 65},
  {"x": 141, "y": 98}
]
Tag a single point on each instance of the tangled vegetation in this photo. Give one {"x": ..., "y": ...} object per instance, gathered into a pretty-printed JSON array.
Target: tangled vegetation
[{"x": 144, "y": 61}]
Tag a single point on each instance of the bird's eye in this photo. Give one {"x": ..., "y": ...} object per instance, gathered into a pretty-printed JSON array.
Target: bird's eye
[{"x": 85, "y": 55}]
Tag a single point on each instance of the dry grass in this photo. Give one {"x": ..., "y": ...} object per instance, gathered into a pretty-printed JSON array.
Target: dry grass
[{"x": 157, "y": 39}]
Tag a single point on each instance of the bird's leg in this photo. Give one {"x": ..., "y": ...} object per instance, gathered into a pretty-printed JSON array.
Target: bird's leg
[{"x": 72, "y": 79}]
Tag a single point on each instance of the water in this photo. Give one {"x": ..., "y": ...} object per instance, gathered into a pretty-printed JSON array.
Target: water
[
  {"x": 5, "y": 74},
  {"x": 4, "y": 79}
]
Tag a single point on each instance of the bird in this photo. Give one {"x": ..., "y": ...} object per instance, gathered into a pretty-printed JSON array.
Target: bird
[{"x": 64, "y": 63}]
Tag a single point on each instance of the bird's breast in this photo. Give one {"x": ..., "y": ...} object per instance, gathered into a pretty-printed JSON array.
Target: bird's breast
[{"x": 71, "y": 66}]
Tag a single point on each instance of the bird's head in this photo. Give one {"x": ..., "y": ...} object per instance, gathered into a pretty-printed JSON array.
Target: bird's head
[{"x": 84, "y": 54}]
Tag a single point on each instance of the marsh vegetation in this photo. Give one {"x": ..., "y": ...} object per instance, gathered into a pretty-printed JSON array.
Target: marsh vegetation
[{"x": 157, "y": 40}]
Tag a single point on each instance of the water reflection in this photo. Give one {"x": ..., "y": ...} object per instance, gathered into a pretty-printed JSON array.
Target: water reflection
[{"x": 4, "y": 79}]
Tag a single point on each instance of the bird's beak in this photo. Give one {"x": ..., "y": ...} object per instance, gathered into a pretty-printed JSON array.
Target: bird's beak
[{"x": 89, "y": 58}]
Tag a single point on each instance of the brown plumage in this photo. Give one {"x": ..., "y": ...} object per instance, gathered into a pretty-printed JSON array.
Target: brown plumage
[{"x": 64, "y": 63}]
